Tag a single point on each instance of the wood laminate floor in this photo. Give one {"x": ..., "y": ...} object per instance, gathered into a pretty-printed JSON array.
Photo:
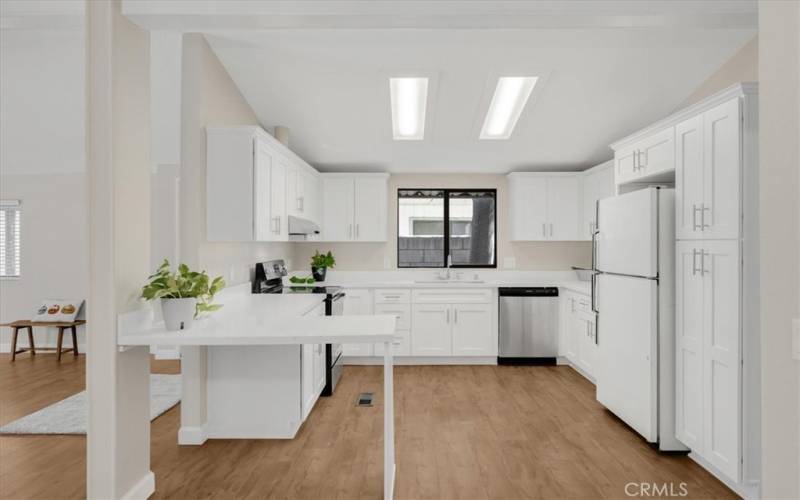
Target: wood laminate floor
[{"x": 469, "y": 432}]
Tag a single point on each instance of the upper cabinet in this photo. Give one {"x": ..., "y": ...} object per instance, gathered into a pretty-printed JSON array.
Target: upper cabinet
[
  {"x": 648, "y": 158},
  {"x": 355, "y": 207},
  {"x": 253, "y": 183},
  {"x": 598, "y": 183},
  {"x": 544, "y": 207},
  {"x": 245, "y": 186},
  {"x": 707, "y": 176}
]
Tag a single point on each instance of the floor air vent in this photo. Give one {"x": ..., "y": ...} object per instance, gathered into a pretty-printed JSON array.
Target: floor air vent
[{"x": 364, "y": 399}]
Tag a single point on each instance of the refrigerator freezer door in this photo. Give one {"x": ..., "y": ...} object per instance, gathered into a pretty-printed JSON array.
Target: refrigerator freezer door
[
  {"x": 627, "y": 241},
  {"x": 627, "y": 336}
]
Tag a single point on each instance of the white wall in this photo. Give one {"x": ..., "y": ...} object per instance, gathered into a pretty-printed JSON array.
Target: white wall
[
  {"x": 779, "y": 180},
  {"x": 741, "y": 67},
  {"x": 544, "y": 256},
  {"x": 43, "y": 164}
]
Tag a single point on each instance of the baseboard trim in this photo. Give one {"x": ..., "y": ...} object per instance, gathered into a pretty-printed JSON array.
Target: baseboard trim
[
  {"x": 192, "y": 435},
  {"x": 421, "y": 360},
  {"x": 142, "y": 490}
]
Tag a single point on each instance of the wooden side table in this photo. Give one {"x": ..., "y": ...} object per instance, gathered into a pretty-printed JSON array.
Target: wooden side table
[{"x": 25, "y": 324}]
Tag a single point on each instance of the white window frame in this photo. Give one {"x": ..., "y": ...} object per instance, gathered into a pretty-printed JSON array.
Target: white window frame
[{"x": 8, "y": 208}]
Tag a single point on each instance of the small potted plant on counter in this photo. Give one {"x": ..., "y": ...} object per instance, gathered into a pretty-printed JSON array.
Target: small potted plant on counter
[
  {"x": 184, "y": 294},
  {"x": 320, "y": 262}
]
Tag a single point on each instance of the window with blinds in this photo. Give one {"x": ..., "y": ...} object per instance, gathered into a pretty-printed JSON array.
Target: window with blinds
[{"x": 10, "y": 222}]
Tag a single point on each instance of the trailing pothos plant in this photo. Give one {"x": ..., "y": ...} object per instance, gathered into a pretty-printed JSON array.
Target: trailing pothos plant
[{"x": 183, "y": 284}]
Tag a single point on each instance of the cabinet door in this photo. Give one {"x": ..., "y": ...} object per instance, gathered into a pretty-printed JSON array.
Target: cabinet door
[
  {"x": 689, "y": 178},
  {"x": 430, "y": 331},
  {"x": 263, "y": 224},
  {"x": 656, "y": 154},
  {"x": 319, "y": 369},
  {"x": 625, "y": 165},
  {"x": 528, "y": 208},
  {"x": 292, "y": 180},
  {"x": 721, "y": 209},
  {"x": 689, "y": 324},
  {"x": 576, "y": 333},
  {"x": 567, "y": 307},
  {"x": 337, "y": 223},
  {"x": 562, "y": 208},
  {"x": 357, "y": 301},
  {"x": 401, "y": 346},
  {"x": 278, "y": 199},
  {"x": 370, "y": 209},
  {"x": 308, "y": 382},
  {"x": 472, "y": 330},
  {"x": 720, "y": 266}
]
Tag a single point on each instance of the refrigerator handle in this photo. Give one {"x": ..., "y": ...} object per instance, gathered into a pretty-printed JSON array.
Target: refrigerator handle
[
  {"x": 594, "y": 295},
  {"x": 594, "y": 251}
]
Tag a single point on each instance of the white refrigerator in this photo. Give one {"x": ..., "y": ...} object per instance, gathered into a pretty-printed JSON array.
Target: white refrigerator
[{"x": 633, "y": 294}]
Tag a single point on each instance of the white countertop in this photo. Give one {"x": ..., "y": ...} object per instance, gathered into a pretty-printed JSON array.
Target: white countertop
[
  {"x": 247, "y": 319},
  {"x": 427, "y": 279}
]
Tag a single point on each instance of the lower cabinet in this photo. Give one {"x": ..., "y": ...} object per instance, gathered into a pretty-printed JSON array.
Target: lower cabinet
[
  {"x": 708, "y": 335},
  {"x": 452, "y": 330},
  {"x": 402, "y": 342},
  {"x": 357, "y": 301},
  {"x": 312, "y": 371},
  {"x": 578, "y": 333}
]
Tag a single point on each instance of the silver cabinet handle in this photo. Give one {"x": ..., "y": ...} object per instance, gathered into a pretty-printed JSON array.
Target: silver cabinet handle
[
  {"x": 551, "y": 229},
  {"x": 641, "y": 163},
  {"x": 544, "y": 230},
  {"x": 635, "y": 160},
  {"x": 703, "y": 254},
  {"x": 356, "y": 231},
  {"x": 279, "y": 224},
  {"x": 455, "y": 315},
  {"x": 695, "y": 225},
  {"x": 694, "y": 261},
  {"x": 350, "y": 232},
  {"x": 703, "y": 209},
  {"x": 448, "y": 316}
]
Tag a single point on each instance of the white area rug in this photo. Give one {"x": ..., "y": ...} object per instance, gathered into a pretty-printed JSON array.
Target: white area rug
[{"x": 68, "y": 416}]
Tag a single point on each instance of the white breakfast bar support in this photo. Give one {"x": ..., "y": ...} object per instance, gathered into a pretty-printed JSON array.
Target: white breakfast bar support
[{"x": 388, "y": 422}]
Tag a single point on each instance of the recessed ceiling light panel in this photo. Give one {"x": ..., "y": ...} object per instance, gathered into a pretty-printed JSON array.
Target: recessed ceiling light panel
[
  {"x": 510, "y": 96},
  {"x": 409, "y": 99}
]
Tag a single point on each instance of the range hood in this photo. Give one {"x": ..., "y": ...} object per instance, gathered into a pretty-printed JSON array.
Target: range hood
[{"x": 299, "y": 226}]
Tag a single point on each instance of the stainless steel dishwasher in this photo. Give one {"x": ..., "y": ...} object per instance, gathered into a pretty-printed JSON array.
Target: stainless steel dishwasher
[{"x": 528, "y": 330}]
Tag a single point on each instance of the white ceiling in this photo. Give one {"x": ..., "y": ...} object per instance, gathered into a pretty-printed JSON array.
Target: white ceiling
[
  {"x": 331, "y": 89},
  {"x": 321, "y": 68}
]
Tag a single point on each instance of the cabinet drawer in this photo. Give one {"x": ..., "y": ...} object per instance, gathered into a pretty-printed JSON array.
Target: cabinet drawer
[
  {"x": 451, "y": 296},
  {"x": 402, "y": 311},
  {"x": 392, "y": 296},
  {"x": 401, "y": 345}
]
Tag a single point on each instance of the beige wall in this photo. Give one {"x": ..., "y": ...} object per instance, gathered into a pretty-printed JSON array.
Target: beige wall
[
  {"x": 779, "y": 184},
  {"x": 373, "y": 256},
  {"x": 741, "y": 67},
  {"x": 210, "y": 98}
]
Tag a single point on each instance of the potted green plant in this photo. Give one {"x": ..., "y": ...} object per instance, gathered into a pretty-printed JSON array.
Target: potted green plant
[
  {"x": 184, "y": 294},
  {"x": 320, "y": 262}
]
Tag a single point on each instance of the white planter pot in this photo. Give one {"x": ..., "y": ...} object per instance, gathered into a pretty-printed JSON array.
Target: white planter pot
[{"x": 178, "y": 313}]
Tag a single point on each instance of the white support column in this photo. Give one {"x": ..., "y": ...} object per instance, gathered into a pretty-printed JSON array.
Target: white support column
[{"x": 388, "y": 422}]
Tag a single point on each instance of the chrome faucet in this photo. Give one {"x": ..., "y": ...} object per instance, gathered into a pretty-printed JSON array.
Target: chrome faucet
[{"x": 446, "y": 275}]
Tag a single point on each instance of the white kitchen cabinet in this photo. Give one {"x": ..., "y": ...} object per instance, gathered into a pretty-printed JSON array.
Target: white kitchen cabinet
[
  {"x": 312, "y": 370},
  {"x": 598, "y": 183},
  {"x": 578, "y": 333},
  {"x": 386, "y": 302},
  {"x": 357, "y": 301},
  {"x": 355, "y": 207},
  {"x": 472, "y": 325},
  {"x": 431, "y": 332},
  {"x": 651, "y": 157},
  {"x": 708, "y": 202},
  {"x": 544, "y": 206},
  {"x": 708, "y": 333},
  {"x": 527, "y": 207},
  {"x": 253, "y": 183}
]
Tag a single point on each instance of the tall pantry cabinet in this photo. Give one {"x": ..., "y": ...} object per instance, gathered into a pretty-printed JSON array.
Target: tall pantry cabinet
[{"x": 717, "y": 331}]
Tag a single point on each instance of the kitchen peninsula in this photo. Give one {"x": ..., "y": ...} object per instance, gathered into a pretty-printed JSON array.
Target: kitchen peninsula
[{"x": 255, "y": 386}]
